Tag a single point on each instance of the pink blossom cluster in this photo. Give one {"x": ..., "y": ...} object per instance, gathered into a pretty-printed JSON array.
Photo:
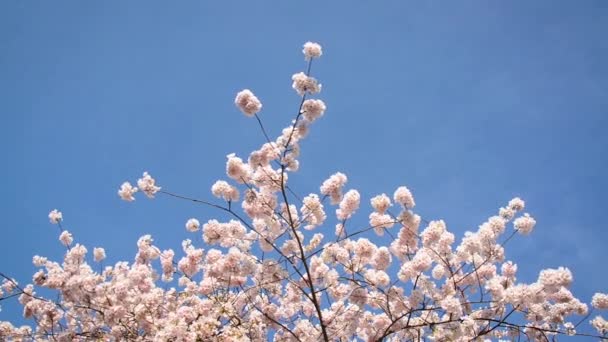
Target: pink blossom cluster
[
  {"x": 404, "y": 197},
  {"x": 127, "y": 191},
  {"x": 248, "y": 103},
  {"x": 312, "y": 50},
  {"x": 55, "y": 216},
  {"x": 192, "y": 225},
  {"x": 222, "y": 189},
  {"x": 146, "y": 183},
  {"x": 313, "y": 109},
  {"x": 303, "y": 84},
  {"x": 348, "y": 205},
  {"x": 312, "y": 211},
  {"x": 332, "y": 187},
  {"x": 273, "y": 270}
]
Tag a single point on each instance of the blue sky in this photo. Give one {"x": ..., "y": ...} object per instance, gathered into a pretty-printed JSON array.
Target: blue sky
[{"x": 467, "y": 103}]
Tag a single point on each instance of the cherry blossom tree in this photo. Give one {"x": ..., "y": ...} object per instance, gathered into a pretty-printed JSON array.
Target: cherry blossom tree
[{"x": 290, "y": 266}]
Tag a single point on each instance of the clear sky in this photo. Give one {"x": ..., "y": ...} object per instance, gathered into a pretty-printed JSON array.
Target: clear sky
[{"x": 468, "y": 103}]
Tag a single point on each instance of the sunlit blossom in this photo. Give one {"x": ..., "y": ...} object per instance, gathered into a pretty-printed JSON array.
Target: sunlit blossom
[
  {"x": 312, "y": 50},
  {"x": 127, "y": 191},
  {"x": 147, "y": 184},
  {"x": 55, "y": 216},
  {"x": 248, "y": 103},
  {"x": 303, "y": 84},
  {"x": 99, "y": 254},
  {"x": 192, "y": 225},
  {"x": 524, "y": 224},
  {"x": 313, "y": 109}
]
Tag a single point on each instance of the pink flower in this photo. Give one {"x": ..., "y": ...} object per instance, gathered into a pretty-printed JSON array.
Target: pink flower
[
  {"x": 39, "y": 278},
  {"x": 380, "y": 222},
  {"x": 509, "y": 269},
  {"x": 39, "y": 261},
  {"x": 422, "y": 261},
  {"x": 404, "y": 197},
  {"x": 55, "y": 216},
  {"x": 247, "y": 102},
  {"x": 600, "y": 324},
  {"x": 516, "y": 204},
  {"x": 312, "y": 50},
  {"x": 99, "y": 254},
  {"x": 312, "y": 211},
  {"x": 364, "y": 249},
  {"x": 348, "y": 205},
  {"x": 212, "y": 232},
  {"x": 305, "y": 84},
  {"x": 382, "y": 258},
  {"x": 222, "y": 189},
  {"x": 236, "y": 169},
  {"x": 506, "y": 213},
  {"x": 127, "y": 191},
  {"x": 524, "y": 224},
  {"x": 166, "y": 262},
  {"x": 147, "y": 184},
  {"x": 313, "y": 109},
  {"x": 267, "y": 153},
  {"x": 438, "y": 271},
  {"x": 378, "y": 277},
  {"x": 600, "y": 301},
  {"x": 554, "y": 279},
  {"x": 433, "y": 232},
  {"x": 339, "y": 230},
  {"x": 192, "y": 225},
  {"x": 191, "y": 263},
  {"x": 451, "y": 305},
  {"x": 333, "y": 186},
  {"x": 380, "y": 203},
  {"x": 66, "y": 238}
]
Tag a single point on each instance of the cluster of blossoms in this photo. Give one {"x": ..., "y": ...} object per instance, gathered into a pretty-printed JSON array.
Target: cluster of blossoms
[
  {"x": 269, "y": 271},
  {"x": 348, "y": 205},
  {"x": 147, "y": 184},
  {"x": 222, "y": 189},
  {"x": 55, "y": 216},
  {"x": 332, "y": 187},
  {"x": 303, "y": 84},
  {"x": 247, "y": 102}
]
